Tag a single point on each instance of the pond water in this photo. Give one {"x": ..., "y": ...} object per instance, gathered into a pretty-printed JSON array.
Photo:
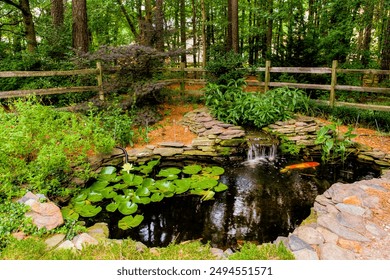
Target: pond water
[{"x": 261, "y": 204}]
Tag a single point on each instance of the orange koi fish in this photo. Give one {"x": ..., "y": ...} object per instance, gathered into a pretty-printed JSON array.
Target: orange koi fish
[{"x": 303, "y": 165}]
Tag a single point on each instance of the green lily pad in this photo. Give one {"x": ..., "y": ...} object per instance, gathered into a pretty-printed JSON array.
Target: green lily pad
[
  {"x": 88, "y": 210},
  {"x": 108, "y": 170},
  {"x": 130, "y": 222},
  {"x": 140, "y": 199},
  {"x": 157, "y": 197},
  {"x": 108, "y": 177},
  {"x": 204, "y": 183},
  {"x": 169, "y": 172},
  {"x": 108, "y": 192},
  {"x": 121, "y": 198},
  {"x": 112, "y": 207},
  {"x": 95, "y": 196},
  {"x": 127, "y": 207},
  {"x": 214, "y": 170},
  {"x": 192, "y": 169},
  {"x": 80, "y": 197},
  {"x": 221, "y": 187},
  {"x": 142, "y": 191},
  {"x": 69, "y": 213},
  {"x": 132, "y": 180},
  {"x": 99, "y": 185},
  {"x": 182, "y": 185},
  {"x": 119, "y": 186},
  {"x": 165, "y": 186}
]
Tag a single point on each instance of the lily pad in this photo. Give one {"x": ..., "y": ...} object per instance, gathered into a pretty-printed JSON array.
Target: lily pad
[
  {"x": 132, "y": 180},
  {"x": 157, "y": 197},
  {"x": 192, "y": 169},
  {"x": 182, "y": 185},
  {"x": 142, "y": 191},
  {"x": 214, "y": 170},
  {"x": 221, "y": 187},
  {"x": 140, "y": 199},
  {"x": 165, "y": 186},
  {"x": 127, "y": 207},
  {"x": 112, "y": 207},
  {"x": 169, "y": 172},
  {"x": 204, "y": 183},
  {"x": 99, "y": 185},
  {"x": 69, "y": 213},
  {"x": 95, "y": 196},
  {"x": 108, "y": 192},
  {"x": 88, "y": 210},
  {"x": 108, "y": 170},
  {"x": 130, "y": 222}
]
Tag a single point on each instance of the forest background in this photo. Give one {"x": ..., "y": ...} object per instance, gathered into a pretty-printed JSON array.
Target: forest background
[{"x": 39, "y": 34}]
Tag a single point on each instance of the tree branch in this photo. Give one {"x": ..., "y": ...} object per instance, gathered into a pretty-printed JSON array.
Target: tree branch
[{"x": 16, "y": 5}]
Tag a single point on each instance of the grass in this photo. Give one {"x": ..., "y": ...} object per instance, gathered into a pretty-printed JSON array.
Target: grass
[{"x": 35, "y": 249}]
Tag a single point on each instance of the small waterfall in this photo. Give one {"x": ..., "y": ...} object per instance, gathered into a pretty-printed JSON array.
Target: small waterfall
[{"x": 261, "y": 148}]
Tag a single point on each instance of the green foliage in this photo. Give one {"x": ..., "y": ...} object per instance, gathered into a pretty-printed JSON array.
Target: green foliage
[
  {"x": 267, "y": 251},
  {"x": 35, "y": 249},
  {"x": 334, "y": 145},
  {"x": 225, "y": 67},
  {"x": 42, "y": 149},
  {"x": 232, "y": 105},
  {"x": 12, "y": 219},
  {"x": 124, "y": 191}
]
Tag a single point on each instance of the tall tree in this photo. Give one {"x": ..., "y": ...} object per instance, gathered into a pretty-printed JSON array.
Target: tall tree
[
  {"x": 28, "y": 22},
  {"x": 159, "y": 23},
  {"x": 80, "y": 37},
  {"x": 129, "y": 19},
  {"x": 183, "y": 29},
  {"x": 57, "y": 13}
]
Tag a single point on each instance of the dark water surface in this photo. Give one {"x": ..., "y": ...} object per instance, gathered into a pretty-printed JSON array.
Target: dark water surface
[{"x": 260, "y": 205}]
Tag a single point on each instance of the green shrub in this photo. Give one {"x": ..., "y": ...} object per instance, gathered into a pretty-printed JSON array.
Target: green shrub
[
  {"x": 267, "y": 251},
  {"x": 224, "y": 67},
  {"x": 42, "y": 149},
  {"x": 232, "y": 105}
]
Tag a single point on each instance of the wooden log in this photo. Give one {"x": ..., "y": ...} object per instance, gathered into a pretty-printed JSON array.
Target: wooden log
[
  {"x": 48, "y": 91},
  {"x": 12, "y": 74}
]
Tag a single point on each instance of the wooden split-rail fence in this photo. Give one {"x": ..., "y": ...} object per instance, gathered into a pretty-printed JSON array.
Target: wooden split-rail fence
[{"x": 193, "y": 75}]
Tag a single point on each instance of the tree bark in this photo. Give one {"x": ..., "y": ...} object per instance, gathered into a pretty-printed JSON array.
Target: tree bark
[
  {"x": 128, "y": 20},
  {"x": 385, "y": 61},
  {"x": 57, "y": 13},
  {"x": 80, "y": 36},
  {"x": 204, "y": 35},
  {"x": 159, "y": 20},
  {"x": 235, "y": 39},
  {"x": 28, "y": 22},
  {"x": 183, "y": 37}
]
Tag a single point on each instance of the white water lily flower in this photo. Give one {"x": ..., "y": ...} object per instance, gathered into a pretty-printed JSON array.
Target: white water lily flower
[{"x": 127, "y": 167}]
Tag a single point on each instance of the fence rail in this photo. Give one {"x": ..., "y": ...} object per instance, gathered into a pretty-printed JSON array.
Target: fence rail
[{"x": 185, "y": 71}]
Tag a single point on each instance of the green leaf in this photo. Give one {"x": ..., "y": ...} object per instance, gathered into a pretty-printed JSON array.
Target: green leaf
[
  {"x": 142, "y": 191},
  {"x": 108, "y": 170},
  {"x": 157, "y": 197},
  {"x": 183, "y": 185},
  {"x": 99, "y": 185},
  {"x": 165, "y": 186},
  {"x": 130, "y": 222},
  {"x": 140, "y": 199},
  {"x": 221, "y": 187},
  {"x": 112, "y": 207},
  {"x": 169, "y": 172},
  {"x": 204, "y": 183},
  {"x": 132, "y": 180},
  {"x": 192, "y": 169},
  {"x": 80, "y": 197},
  {"x": 119, "y": 186},
  {"x": 69, "y": 213},
  {"x": 214, "y": 170},
  {"x": 88, "y": 210},
  {"x": 127, "y": 207},
  {"x": 108, "y": 192},
  {"x": 95, "y": 196}
]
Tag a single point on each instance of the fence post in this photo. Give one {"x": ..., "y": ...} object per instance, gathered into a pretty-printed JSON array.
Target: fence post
[
  {"x": 100, "y": 79},
  {"x": 333, "y": 83},
  {"x": 267, "y": 77},
  {"x": 182, "y": 77}
]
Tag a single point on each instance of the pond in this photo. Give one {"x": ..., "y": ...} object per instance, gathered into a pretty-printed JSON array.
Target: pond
[{"x": 260, "y": 204}]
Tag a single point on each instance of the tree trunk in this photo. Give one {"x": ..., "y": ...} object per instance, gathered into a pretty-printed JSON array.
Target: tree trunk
[
  {"x": 235, "y": 39},
  {"x": 183, "y": 37},
  {"x": 159, "y": 20},
  {"x": 204, "y": 36},
  {"x": 80, "y": 36},
  {"x": 385, "y": 61},
  {"x": 57, "y": 13},
  {"x": 128, "y": 20},
  {"x": 194, "y": 37},
  {"x": 269, "y": 30},
  {"x": 30, "y": 35},
  {"x": 368, "y": 18}
]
